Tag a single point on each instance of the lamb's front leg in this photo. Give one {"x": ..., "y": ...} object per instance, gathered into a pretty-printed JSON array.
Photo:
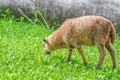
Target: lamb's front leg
[
  {"x": 81, "y": 54},
  {"x": 69, "y": 54}
]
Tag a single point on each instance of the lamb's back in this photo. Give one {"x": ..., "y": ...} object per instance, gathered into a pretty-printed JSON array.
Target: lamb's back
[{"x": 84, "y": 29}]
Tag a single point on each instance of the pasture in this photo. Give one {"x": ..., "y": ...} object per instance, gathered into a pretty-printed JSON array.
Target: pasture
[{"x": 22, "y": 58}]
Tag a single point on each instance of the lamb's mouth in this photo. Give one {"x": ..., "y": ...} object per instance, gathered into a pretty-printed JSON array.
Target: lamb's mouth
[{"x": 47, "y": 52}]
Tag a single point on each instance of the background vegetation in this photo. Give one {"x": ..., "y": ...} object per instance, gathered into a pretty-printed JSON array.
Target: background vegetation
[
  {"x": 22, "y": 58},
  {"x": 60, "y": 10}
]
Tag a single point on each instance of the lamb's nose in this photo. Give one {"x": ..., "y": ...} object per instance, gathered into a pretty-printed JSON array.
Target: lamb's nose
[{"x": 47, "y": 53}]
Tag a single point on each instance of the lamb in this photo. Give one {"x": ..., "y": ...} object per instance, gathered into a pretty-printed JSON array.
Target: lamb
[{"x": 85, "y": 30}]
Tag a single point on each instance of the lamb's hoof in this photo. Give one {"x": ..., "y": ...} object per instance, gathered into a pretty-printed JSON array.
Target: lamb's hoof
[
  {"x": 114, "y": 67},
  {"x": 85, "y": 63},
  {"x": 97, "y": 67},
  {"x": 68, "y": 60}
]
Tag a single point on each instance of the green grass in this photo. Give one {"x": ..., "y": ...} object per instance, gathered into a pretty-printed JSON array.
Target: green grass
[{"x": 21, "y": 57}]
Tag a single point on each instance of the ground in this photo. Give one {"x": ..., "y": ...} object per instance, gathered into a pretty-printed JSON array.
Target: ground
[{"x": 22, "y": 57}]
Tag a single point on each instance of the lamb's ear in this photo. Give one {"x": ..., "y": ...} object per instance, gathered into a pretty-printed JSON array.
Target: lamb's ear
[{"x": 44, "y": 40}]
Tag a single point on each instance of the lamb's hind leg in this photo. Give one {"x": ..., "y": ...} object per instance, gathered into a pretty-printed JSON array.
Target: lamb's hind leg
[
  {"x": 111, "y": 51},
  {"x": 69, "y": 54},
  {"x": 81, "y": 54},
  {"x": 101, "y": 49}
]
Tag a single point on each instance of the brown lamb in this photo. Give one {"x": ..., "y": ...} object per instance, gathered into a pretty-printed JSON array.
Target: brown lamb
[{"x": 86, "y": 30}]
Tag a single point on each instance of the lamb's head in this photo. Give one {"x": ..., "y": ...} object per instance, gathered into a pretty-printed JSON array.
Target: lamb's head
[{"x": 46, "y": 46}]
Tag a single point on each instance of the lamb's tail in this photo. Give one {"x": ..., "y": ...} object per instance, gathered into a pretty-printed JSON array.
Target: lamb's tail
[{"x": 112, "y": 34}]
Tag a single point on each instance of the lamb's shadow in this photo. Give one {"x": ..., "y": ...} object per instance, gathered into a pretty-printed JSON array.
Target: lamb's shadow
[{"x": 58, "y": 60}]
